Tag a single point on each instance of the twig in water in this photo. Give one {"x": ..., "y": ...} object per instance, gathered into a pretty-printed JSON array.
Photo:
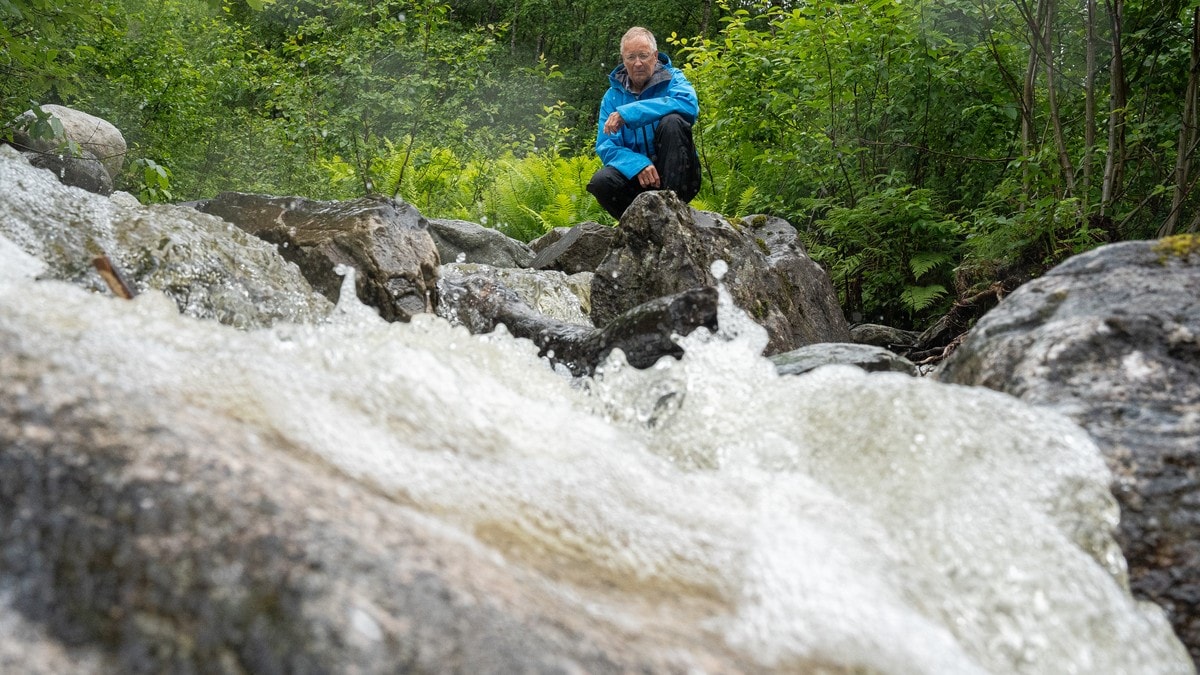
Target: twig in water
[{"x": 112, "y": 277}]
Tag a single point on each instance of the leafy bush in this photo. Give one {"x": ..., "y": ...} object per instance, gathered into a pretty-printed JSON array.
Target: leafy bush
[
  {"x": 537, "y": 193},
  {"x": 153, "y": 182},
  {"x": 891, "y": 257},
  {"x": 1045, "y": 233}
]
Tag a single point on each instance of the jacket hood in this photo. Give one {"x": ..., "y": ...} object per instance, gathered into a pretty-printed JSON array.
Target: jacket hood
[{"x": 619, "y": 77}]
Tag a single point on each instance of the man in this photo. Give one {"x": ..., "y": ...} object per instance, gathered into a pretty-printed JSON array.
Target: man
[{"x": 644, "y": 137}]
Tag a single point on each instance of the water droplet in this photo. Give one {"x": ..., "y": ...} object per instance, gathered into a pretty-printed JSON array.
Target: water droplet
[{"x": 719, "y": 268}]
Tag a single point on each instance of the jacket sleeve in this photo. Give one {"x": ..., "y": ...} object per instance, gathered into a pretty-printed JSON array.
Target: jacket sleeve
[
  {"x": 680, "y": 97},
  {"x": 611, "y": 148}
]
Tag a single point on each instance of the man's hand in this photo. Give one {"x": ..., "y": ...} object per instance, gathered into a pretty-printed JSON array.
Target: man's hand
[
  {"x": 613, "y": 123},
  {"x": 648, "y": 177}
]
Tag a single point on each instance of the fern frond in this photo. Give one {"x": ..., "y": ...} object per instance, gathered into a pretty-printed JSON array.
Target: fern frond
[
  {"x": 745, "y": 199},
  {"x": 917, "y": 298},
  {"x": 927, "y": 260}
]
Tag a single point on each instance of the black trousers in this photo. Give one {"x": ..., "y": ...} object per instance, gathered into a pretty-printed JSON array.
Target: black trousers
[{"x": 675, "y": 159}]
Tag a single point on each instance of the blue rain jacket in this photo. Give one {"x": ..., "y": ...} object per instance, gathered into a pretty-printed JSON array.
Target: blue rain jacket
[{"x": 629, "y": 149}]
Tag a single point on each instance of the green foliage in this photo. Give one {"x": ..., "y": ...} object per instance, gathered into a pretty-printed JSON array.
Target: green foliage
[
  {"x": 153, "y": 182},
  {"x": 1038, "y": 237},
  {"x": 919, "y": 298},
  {"x": 537, "y": 193},
  {"x": 891, "y": 256},
  {"x": 40, "y": 49},
  {"x": 435, "y": 179},
  {"x": 524, "y": 197}
]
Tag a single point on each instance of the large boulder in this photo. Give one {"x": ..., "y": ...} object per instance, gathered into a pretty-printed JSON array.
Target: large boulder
[
  {"x": 1111, "y": 338},
  {"x": 79, "y": 169},
  {"x": 895, "y": 339},
  {"x": 580, "y": 249},
  {"x": 663, "y": 246},
  {"x": 464, "y": 241},
  {"x": 209, "y": 268},
  {"x": 101, "y": 148},
  {"x": 386, "y": 241}
]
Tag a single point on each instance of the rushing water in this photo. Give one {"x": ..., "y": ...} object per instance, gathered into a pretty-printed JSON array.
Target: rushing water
[{"x": 871, "y": 521}]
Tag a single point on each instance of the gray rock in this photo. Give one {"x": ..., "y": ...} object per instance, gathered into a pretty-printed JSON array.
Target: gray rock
[
  {"x": 209, "y": 268},
  {"x": 161, "y": 540},
  {"x": 868, "y": 357},
  {"x": 82, "y": 170},
  {"x": 475, "y": 243},
  {"x": 386, "y": 241},
  {"x": 580, "y": 249},
  {"x": 644, "y": 333},
  {"x": 884, "y": 336},
  {"x": 553, "y": 294},
  {"x": 1111, "y": 338},
  {"x": 663, "y": 247},
  {"x": 543, "y": 242},
  {"x": 101, "y": 140}
]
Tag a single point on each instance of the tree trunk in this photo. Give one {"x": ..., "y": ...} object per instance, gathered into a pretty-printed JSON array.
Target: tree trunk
[
  {"x": 1040, "y": 22},
  {"x": 1187, "y": 135},
  {"x": 1027, "y": 103},
  {"x": 1089, "y": 122},
  {"x": 1114, "y": 163},
  {"x": 1046, "y": 12}
]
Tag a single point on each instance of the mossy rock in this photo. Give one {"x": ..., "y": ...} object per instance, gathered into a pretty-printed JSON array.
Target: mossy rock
[{"x": 1181, "y": 246}]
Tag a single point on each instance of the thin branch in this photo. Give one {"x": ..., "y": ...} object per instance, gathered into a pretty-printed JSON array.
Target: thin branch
[{"x": 940, "y": 153}]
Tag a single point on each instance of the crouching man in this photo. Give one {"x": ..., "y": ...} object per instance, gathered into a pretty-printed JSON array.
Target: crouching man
[{"x": 644, "y": 136}]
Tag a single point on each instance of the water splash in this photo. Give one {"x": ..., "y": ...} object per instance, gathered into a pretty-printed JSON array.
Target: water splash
[
  {"x": 862, "y": 522},
  {"x": 209, "y": 267}
]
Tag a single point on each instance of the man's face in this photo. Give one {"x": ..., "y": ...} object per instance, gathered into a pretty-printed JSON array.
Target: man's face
[{"x": 639, "y": 60}]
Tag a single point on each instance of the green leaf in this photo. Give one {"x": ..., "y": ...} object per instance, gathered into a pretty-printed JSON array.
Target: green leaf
[
  {"x": 917, "y": 298},
  {"x": 925, "y": 261}
]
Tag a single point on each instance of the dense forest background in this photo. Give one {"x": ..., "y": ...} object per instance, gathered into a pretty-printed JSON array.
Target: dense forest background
[{"x": 930, "y": 151}]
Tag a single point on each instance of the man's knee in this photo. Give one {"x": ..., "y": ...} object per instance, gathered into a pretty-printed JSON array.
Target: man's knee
[
  {"x": 611, "y": 190},
  {"x": 674, "y": 134},
  {"x": 605, "y": 182},
  {"x": 673, "y": 123}
]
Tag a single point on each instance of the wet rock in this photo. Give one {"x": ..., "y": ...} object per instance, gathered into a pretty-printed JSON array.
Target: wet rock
[
  {"x": 147, "y": 538},
  {"x": 644, "y": 333},
  {"x": 553, "y": 294},
  {"x": 868, "y": 357},
  {"x": 1111, "y": 338},
  {"x": 895, "y": 339},
  {"x": 474, "y": 243},
  {"x": 81, "y": 169},
  {"x": 543, "y": 242},
  {"x": 101, "y": 145},
  {"x": 386, "y": 241},
  {"x": 209, "y": 268},
  {"x": 663, "y": 247},
  {"x": 581, "y": 249}
]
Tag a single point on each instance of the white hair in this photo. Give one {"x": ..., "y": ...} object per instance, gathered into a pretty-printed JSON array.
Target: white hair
[{"x": 639, "y": 32}]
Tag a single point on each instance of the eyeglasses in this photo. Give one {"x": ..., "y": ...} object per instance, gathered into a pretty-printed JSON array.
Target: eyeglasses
[{"x": 633, "y": 58}]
